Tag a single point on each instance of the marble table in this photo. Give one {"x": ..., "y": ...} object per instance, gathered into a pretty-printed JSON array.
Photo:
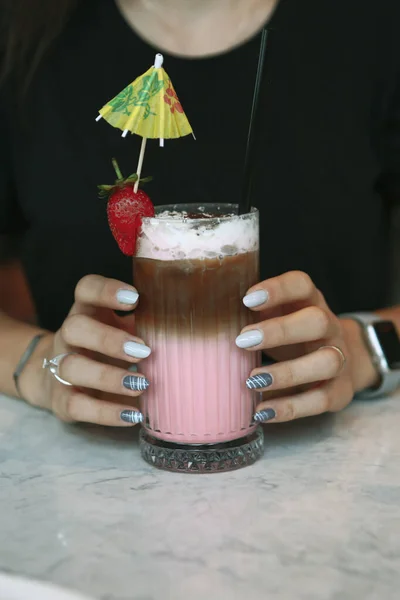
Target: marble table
[{"x": 317, "y": 519}]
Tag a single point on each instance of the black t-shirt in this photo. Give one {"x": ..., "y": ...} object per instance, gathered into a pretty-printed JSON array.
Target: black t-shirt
[{"x": 328, "y": 160}]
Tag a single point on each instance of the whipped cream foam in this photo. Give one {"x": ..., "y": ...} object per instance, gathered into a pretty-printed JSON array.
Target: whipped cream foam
[{"x": 171, "y": 235}]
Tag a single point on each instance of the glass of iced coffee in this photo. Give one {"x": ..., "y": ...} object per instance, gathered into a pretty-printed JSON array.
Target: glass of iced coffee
[{"x": 193, "y": 265}]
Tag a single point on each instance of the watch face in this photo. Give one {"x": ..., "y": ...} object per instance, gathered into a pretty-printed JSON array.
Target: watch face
[{"x": 390, "y": 343}]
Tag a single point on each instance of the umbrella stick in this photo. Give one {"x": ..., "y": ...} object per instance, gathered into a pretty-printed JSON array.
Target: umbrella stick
[{"x": 140, "y": 163}]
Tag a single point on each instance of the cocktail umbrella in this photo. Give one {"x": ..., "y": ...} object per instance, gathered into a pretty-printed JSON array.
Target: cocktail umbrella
[{"x": 148, "y": 107}]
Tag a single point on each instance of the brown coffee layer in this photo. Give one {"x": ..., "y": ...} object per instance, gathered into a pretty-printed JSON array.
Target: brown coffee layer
[{"x": 195, "y": 297}]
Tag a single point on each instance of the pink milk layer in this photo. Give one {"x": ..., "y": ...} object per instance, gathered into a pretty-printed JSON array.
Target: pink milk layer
[{"x": 198, "y": 393}]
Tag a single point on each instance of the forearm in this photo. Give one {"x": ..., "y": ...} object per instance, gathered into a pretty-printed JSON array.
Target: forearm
[{"x": 15, "y": 337}]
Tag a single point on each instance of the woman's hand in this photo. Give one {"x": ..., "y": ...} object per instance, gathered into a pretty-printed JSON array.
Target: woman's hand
[
  {"x": 103, "y": 391},
  {"x": 322, "y": 361}
]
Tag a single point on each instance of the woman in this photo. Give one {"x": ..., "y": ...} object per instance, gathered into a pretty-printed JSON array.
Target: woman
[{"x": 327, "y": 173}]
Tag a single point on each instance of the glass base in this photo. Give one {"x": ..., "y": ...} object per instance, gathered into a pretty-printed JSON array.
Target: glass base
[{"x": 202, "y": 458}]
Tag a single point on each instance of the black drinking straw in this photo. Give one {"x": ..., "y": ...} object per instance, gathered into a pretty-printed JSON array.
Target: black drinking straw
[{"x": 245, "y": 202}]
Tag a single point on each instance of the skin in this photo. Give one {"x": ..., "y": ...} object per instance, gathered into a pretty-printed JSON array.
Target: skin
[
  {"x": 298, "y": 331},
  {"x": 295, "y": 321},
  {"x": 99, "y": 364},
  {"x": 196, "y": 27}
]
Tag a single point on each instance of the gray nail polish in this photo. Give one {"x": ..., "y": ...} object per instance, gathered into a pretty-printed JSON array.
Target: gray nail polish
[
  {"x": 127, "y": 297},
  {"x": 248, "y": 339},
  {"x": 255, "y": 299},
  {"x": 135, "y": 383},
  {"x": 132, "y": 416},
  {"x": 137, "y": 350},
  {"x": 264, "y": 415},
  {"x": 257, "y": 382}
]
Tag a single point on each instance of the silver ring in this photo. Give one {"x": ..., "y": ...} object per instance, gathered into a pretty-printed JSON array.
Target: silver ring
[
  {"x": 53, "y": 366},
  {"x": 340, "y": 352}
]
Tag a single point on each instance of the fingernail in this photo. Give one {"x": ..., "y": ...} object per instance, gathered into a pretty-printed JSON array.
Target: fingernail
[
  {"x": 136, "y": 350},
  {"x": 127, "y": 297},
  {"x": 135, "y": 383},
  {"x": 132, "y": 416},
  {"x": 255, "y": 299},
  {"x": 248, "y": 339},
  {"x": 262, "y": 380},
  {"x": 264, "y": 415}
]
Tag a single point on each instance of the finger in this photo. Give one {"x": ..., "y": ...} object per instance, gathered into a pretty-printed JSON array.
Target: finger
[
  {"x": 293, "y": 286},
  {"x": 81, "y": 408},
  {"x": 321, "y": 365},
  {"x": 84, "y": 332},
  {"x": 95, "y": 290},
  {"x": 81, "y": 371},
  {"x": 306, "y": 325},
  {"x": 329, "y": 397}
]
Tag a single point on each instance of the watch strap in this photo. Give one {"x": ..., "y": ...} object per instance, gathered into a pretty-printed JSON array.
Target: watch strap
[{"x": 364, "y": 318}]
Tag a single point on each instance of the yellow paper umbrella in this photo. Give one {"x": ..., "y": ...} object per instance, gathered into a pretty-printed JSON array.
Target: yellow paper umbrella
[{"x": 148, "y": 107}]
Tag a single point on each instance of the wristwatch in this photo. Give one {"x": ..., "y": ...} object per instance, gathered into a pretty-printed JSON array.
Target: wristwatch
[{"x": 383, "y": 343}]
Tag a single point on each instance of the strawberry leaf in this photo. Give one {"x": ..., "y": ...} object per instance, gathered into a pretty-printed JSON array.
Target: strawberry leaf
[
  {"x": 105, "y": 191},
  {"x": 132, "y": 177}
]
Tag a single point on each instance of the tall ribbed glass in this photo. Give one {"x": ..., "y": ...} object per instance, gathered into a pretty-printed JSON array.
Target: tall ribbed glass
[{"x": 193, "y": 266}]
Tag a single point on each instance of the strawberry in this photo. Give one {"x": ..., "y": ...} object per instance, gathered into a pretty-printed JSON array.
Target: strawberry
[{"x": 125, "y": 210}]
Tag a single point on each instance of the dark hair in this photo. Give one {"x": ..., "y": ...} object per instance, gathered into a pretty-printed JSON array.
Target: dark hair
[{"x": 28, "y": 28}]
